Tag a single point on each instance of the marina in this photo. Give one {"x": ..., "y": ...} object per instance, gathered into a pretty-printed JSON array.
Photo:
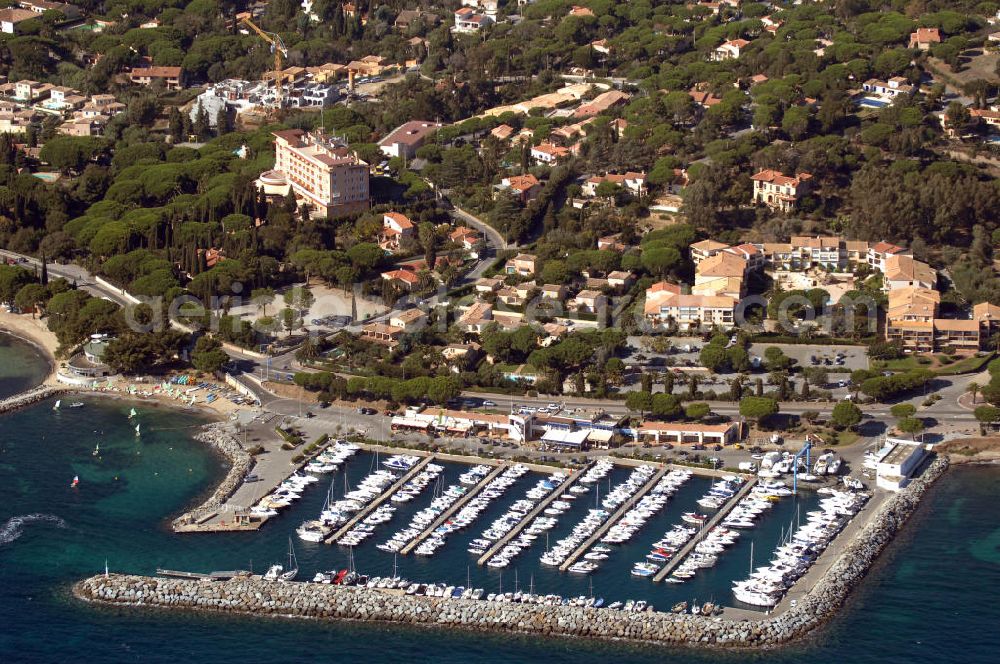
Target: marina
[
  {"x": 711, "y": 523},
  {"x": 530, "y": 517},
  {"x": 375, "y": 504},
  {"x": 391, "y": 599},
  {"x": 455, "y": 507},
  {"x": 613, "y": 519}
]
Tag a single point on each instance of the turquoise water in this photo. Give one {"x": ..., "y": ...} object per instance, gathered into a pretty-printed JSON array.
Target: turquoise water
[
  {"x": 21, "y": 366},
  {"x": 929, "y": 600}
]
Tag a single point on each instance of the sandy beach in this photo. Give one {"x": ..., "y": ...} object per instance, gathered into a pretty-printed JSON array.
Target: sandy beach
[{"x": 35, "y": 332}]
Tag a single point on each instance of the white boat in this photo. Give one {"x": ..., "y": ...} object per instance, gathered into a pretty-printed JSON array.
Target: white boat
[
  {"x": 279, "y": 573},
  {"x": 97, "y": 449},
  {"x": 137, "y": 433},
  {"x": 56, "y": 405},
  {"x": 75, "y": 404},
  {"x": 132, "y": 413}
]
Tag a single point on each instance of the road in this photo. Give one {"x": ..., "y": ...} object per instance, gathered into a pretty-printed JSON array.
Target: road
[
  {"x": 947, "y": 413},
  {"x": 70, "y": 272}
]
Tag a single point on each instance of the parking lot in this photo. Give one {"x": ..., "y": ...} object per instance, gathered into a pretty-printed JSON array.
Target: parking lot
[{"x": 820, "y": 355}]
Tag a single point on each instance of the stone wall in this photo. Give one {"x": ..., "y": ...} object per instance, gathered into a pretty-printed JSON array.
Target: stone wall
[
  {"x": 32, "y": 396},
  {"x": 220, "y": 435},
  {"x": 252, "y": 595}
]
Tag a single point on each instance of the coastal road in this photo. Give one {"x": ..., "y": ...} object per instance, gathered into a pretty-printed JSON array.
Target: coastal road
[{"x": 70, "y": 272}]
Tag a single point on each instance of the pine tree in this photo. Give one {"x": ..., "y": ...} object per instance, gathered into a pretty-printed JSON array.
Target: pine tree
[
  {"x": 223, "y": 122},
  {"x": 176, "y": 126},
  {"x": 45, "y": 272},
  {"x": 202, "y": 128}
]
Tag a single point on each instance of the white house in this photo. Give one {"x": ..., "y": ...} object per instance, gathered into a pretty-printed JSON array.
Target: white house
[
  {"x": 729, "y": 50},
  {"x": 467, "y": 20}
]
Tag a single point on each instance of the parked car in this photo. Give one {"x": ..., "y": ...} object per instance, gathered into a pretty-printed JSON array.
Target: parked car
[{"x": 367, "y": 411}]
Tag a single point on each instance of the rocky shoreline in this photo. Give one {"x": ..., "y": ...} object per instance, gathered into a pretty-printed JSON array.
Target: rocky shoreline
[
  {"x": 253, "y": 595},
  {"x": 31, "y": 397},
  {"x": 220, "y": 436}
]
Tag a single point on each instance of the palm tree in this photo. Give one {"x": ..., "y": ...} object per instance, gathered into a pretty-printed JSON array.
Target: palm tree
[{"x": 974, "y": 390}]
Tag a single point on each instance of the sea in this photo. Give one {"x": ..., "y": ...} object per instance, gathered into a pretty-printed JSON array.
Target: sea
[{"x": 929, "y": 599}]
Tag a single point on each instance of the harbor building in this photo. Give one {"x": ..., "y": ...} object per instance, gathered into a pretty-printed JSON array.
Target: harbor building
[{"x": 898, "y": 463}]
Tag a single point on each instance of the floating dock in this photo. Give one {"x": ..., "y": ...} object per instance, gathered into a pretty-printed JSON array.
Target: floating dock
[
  {"x": 711, "y": 523},
  {"x": 458, "y": 504},
  {"x": 530, "y": 516},
  {"x": 372, "y": 506},
  {"x": 615, "y": 518}
]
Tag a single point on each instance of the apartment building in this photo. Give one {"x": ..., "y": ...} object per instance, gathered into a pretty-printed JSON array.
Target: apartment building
[
  {"x": 665, "y": 303},
  {"x": 320, "y": 170},
  {"x": 721, "y": 274},
  {"x": 903, "y": 271}
]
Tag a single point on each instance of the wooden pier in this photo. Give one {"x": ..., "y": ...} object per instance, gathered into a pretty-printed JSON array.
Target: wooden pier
[
  {"x": 372, "y": 506},
  {"x": 679, "y": 557},
  {"x": 457, "y": 505},
  {"x": 615, "y": 518},
  {"x": 530, "y": 516}
]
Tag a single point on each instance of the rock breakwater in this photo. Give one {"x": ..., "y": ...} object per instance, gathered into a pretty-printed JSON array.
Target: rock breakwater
[
  {"x": 30, "y": 397},
  {"x": 221, "y": 437},
  {"x": 253, "y": 595}
]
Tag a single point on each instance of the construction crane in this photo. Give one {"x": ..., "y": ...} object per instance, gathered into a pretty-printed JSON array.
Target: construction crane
[{"x": 277, "y": 47}]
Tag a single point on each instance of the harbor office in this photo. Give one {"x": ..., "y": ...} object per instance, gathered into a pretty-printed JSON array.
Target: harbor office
[
  {"x": 599, "y": 426},
  {"x": 572, "y": 431}
]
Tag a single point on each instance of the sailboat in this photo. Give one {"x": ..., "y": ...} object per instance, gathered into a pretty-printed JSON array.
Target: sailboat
[
  {"x": 137, "y": 430},
  {"x": 75, "y": 482},
  {"x": 279, "y": 573},
  {"x": 56, "y": 405},
  {"x": 97, "y": 450},
  {"x": 132, "y": 414}
]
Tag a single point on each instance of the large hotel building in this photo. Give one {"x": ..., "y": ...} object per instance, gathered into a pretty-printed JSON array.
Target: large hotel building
[{"x": 320, "y": 171}]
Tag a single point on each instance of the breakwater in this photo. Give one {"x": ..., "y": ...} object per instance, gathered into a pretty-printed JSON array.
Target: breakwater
[
  {"x": 220, "y": 436},
  {"x": 252, "y": 595},
  {"x": 30, "y": 397}
]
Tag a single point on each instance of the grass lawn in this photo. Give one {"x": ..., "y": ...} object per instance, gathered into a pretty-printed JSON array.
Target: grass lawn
[
  {"x": 963, "y": 366},
  {"x": 968, "y": 365}
]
